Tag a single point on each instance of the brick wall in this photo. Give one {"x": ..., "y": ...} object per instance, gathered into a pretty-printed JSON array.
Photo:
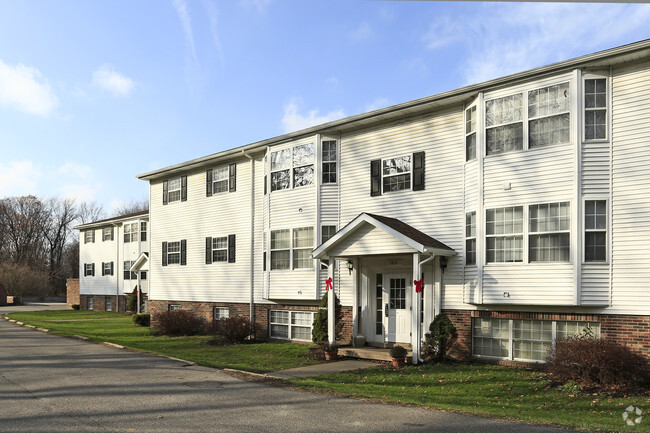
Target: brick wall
[
  {"x": 260, "y": 312},
  {"x": 72, "y": 292},
  {"x": 461, "y": 347}
]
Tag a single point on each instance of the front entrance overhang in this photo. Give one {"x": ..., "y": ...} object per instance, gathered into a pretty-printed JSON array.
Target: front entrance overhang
[
  {"x": 376, "y": 235},
  {"x": 371, "y": 234}
]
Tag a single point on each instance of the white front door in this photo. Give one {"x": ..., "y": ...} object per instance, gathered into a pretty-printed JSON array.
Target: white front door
[{"x": 397, "y": 308}]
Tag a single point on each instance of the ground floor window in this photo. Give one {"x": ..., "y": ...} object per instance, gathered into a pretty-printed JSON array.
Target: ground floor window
[
  {"x": 91, "y": 302},
  {"x": 173, "y": 307},
  {"x": 109, "y": 304},
  {"x": 291, "y": 325},
  {"x": 221, "y": 313},
  {"x": 524, "y": 340}
]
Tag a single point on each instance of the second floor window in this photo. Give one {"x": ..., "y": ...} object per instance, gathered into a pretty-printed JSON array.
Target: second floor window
[
  {"x": 89, "y": 236},
  {"x": 504, "y": 239},
  {"x": 329, "y": 161},
  {"x": 128, "y": 275},
  {"x": 595, "y": 231},
  {"x": 131, "y": 232},
  {"x": 143, "y": 231},
  {"x": 303, "y": 244},
  {"x": 396, "y": 173},
  {"x": 504, "y": 126},
  {"x": 549, "y": 232},
  {"x": 107, "y": 234},
  {"x": 548, "y": 115},
  {"x": 596, "y": 109},
  {"x": 470, "y": 133},
  {"x": 470, "y": 238},
  {"x": 174, "y": 189}
]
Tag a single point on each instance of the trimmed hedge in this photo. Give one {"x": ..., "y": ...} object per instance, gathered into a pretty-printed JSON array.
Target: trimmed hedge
[
  {"x": 143, "y": 319},
  {"x": 179, "y": 322}
]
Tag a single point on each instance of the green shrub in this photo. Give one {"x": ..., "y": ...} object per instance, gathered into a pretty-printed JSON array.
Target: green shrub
[
  {"x": 132, "y": 305},
  {"x": 75, "y": 306},
  {"x": 598, "y": 363},
  {"x": 234, "y": 330},
  {"x": 179, "y": 322},
  {"x": 398, "y": 352},
  {"x": 319, "y": 330},
  {"x": 441, "y": 333},
  {"x": 143, "y": 319}
]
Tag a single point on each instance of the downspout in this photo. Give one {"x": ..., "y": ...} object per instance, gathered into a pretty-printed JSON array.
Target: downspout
[
  {"x": 252, "y": 263},
  {"x": 116, "y": 267},
  {"x": 139, "y": 252},
  {"x": 418, "y": 329}
]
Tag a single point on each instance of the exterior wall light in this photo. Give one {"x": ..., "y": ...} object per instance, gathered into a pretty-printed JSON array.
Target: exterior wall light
[{"x": 350, "y": 266}]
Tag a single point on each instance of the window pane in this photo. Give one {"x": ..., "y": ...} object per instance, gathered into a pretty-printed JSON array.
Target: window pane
[
  {"x": 548, "y": 130},
  {"x": 303, "y": 154},
  {"x": 302, "y": 259},
  {"x": 470, "y": 147},
  {"x": 329, "y": 172},
  {"x": 280, "y": 317},
  {"x": 470, "y": 247},
  {"x": 504, "y": 110},
  {"x": 280, "y": 239},
  {"x": 280, "y": 331},
  {"x": 396, "y": 165},
  {"x": 303, "y": 176},
  {"x": 280, "y": 259},
  {"x": 595, "y": 246},
  {"x": 303, "y": 237},
  {"x": 281, "y": 159},
  {"x": 329, "y": 151},
  {"x": 470, "y": 120},
  {"x": 280, "y": 180},
  {"x": 504, "y": 139},
  {"x": 397, "y": 183}
]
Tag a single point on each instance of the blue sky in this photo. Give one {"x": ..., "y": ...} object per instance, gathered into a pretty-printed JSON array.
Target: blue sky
[{"x": 93, "y": 93}]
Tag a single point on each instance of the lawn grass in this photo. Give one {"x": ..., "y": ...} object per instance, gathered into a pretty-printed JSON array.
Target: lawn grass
[
  {"x": 487, "y": 390},
  {"x": 118, "y": 328}
]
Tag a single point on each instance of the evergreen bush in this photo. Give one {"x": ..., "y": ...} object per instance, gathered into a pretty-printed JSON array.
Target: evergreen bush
[
  {"x": 319, "y": 330},
  {"x": 440, "y": 336}
]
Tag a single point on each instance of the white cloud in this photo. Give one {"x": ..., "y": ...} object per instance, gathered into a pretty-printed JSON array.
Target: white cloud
[
  {"x": 186, "y": 23},
  {"x": 18, "y": 178},
  {"x": 75, "y": 169},
  {"x": 25, "y": 89},
  {"x": 363, "y": 32},
  {"x": 377, "y": 104},
  {"x": 213, "y": 15},
  {"x": 106, "y": 78},
  {"x": 79, "y": 192},
  {"x": 260, "y": 5},
  {"x": 295, "y": 121},
  {"x": 503, "y": 38}
]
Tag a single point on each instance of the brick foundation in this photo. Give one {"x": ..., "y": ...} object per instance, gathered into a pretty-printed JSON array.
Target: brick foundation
[
  {"x": 260, "y": 312},
  {"x": 99, "y": 302},
  {"x": 72, "y": 292}
]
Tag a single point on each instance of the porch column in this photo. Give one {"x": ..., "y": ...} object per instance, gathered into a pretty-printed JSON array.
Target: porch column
[
  {"x": 355, "y": 300},
  {"x": 331, "y": 304},
  {"x": 415, "y": 311}
]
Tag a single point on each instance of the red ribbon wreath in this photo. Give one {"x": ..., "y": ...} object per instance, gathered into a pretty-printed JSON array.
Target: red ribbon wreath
[
  {"x": 328, "y": 284},
  {"x": 418, "y": 285}
]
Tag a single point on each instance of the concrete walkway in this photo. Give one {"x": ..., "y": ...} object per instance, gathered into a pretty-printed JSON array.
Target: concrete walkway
[{"x": 325, "y": 368}]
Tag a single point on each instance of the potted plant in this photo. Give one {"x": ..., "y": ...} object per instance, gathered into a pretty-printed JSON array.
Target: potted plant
[
  {"x": 331, "y": 351},
  {"x": 398, "y": 353}
]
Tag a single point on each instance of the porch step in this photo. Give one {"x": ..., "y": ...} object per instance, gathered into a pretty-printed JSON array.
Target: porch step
[{"x": 374, "y": 353}]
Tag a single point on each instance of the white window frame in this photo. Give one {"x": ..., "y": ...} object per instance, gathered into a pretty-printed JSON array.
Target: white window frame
[
  {"x": 302, "y": 262},
  {"x": 131, "y": 232},
  {"x": 216, "y": 248},
  {"x": 409, "y": 172},
  {"x": 89, "y": 235},
  {"x": 566, "y": 231},
  {"x": 143, "y": 231},
  {"x": 175, "y": 253},
  {"x": 173, "y": 307},
  {"x": 514, "y": 235},
  {"x": 538, "y": 117},
  {"x": 220, "y": 313},
  {"x": 510, "y": 340},
  {"x": 290, "y": 324},
  {"x": 470, "y": 236},
  {"x": 90, "y": 302},
  {"x": 107, "y": 234},
  {"x": 220, "y": 178},
  {"x": 525, "y": 120},
  {"x": 127, "y": 274},
  {"x": 585, "y": 110},
  {"x": 291, "y": 166},
  {"x": 330, "y": 161},
  {"x": 276, "y": 250},
  {"x": 471, "y": 128},
  {"x": 88, "y": 269},
  {"x": 108, "y": 303},
  {"x": 606, "y": 230},
  {"x": 106, "y": 268},
  {"x": 174, "y": 190}
]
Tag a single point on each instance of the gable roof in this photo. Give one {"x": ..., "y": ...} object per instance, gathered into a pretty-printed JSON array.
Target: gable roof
[
  {"x": 111, "y": 220},
  {"x": 407, "y": 234},
  {"x": 626, "y": 53}
]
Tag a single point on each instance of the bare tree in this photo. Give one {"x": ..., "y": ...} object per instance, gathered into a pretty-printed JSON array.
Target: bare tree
[
  {"x": 90, "y": 211},
  {"x": 57, "y": 232},
  {"x": 22, "y": 219},
  {"x": 132, "y": 206}
]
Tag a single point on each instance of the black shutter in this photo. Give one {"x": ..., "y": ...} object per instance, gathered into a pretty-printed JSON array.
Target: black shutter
[
  {"x": 164, "y": 253},
  {"x": 264, "y": 261},
  {"x": 231, "y": 248},
  {"x": 165, "y": 192},
  {"x": 208, "y": 183},
  {"x": 208, "y": 250},
  {"x": 375, "y": 177},
  {"x": 92, "y": 272},
  {"x": 111, "y": 268},
  {"x": 265, "y": 187},
  {"x": 232, "y": 178},
  {"x": 418, "y": 171},
  {"x": 103, "y": 273},
  {"x": 93, "y": 236},
  {"x": 183, "y": 252},
  {"x": 112, "y": 235},
  {"x": 183, "y": 188}
]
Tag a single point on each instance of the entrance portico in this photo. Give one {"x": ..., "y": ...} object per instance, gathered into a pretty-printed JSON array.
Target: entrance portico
[{"x": 388, "y": 257}]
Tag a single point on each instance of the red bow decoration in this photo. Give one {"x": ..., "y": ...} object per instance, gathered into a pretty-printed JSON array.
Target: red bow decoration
[
  {"x": 328, "y": 284},
  {"x": 418, "y": 285}
]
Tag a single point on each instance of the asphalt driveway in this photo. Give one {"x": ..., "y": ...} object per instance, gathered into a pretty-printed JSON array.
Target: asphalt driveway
[{"x": 55, "y": 384}]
